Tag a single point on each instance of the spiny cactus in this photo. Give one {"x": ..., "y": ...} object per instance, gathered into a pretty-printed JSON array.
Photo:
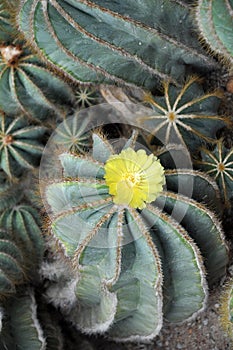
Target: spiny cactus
[
  {"x": 122, "y": 248},
  {"x": 20, "y": 145},
  {"x": 126, "y": 42},
  {"x": 215, "y": 22},
  {"x": 219, "y": 164},
  {"x": 22, "y": 248},
  {"x": 6, "y": 29},
  {"x": 187, "y": 116},
  {"x": 21, "y": 328},
  {"x": 71, "y": 135},
  {"x": 23, "y": 224},
  {"x": 85, "y": 97},
  {"x": 27, "y": 86},
  {"x": 226, "y": 307},
  {"x": 11, "y": 265}
]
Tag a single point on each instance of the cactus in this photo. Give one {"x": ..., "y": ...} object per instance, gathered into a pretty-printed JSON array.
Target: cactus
[
  {"x": 219, "y": 164},
  {"x": 215, "y": 22},
  {"x": 23, "y": 222},
  {"x": 85, "y": 97},
  {"x": 20, "y": 145},
  {"x": 22, "y": 324},
  {"x": 135, "y": 43},
  {"x": 22, "y": 248},
  {"x": 71, "y": 136},
  {"x": 28, "y": 87},
  {"x": 187, "y": 116},
  {"x": 226, "y": 306},
  {"x": 122, "y": 254}
]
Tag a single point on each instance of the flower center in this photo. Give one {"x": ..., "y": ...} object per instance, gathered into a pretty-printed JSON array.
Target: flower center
[{"x": 132, "y": 179}]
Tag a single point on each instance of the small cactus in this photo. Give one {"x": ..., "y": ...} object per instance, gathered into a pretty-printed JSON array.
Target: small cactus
[
  {"x": 85, "y": 97},
  {"x": 219, "y": 164},
  {"x": 20, "y": 145},
  {"x": 122, "y": 247},
  {"x": 215, "y": 22},
  {"x": 187, "y": 116},
  {"x": 28, "y": 87},
  {"x": 71, "y": 136}
]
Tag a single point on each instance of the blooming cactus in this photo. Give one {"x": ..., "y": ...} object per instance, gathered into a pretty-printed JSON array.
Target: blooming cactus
[{"x": 129, "y": 259}]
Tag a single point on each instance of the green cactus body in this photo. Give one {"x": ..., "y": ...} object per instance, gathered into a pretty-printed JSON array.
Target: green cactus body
[
  {"x": 27, "y": 86},
  {"x": 132, "y": 42},
  {"x": 23, "y": 222},
  {"x": 226, "y": 306},
  {"x": 215, "y": 22},
  {"x": 20, "y": 145},
  {"x": 85, "y": 97},
  {"x": 121, "y": 255},
  {"x": 219, "y": 164},
  {"x": 22, "y": 247},
  {"x": 21, "y": 329},
  {"x": 11, "y": 265},
  {"x": 71, "y": 136},
  {"x": 6, "y": 30},
  {"x": 185, "y": 116}
]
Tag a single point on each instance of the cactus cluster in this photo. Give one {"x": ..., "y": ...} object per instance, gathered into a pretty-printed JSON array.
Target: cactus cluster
[{"x": 121, "y": 233}]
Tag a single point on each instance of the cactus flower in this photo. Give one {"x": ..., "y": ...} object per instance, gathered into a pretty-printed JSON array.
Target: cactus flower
[{"x": 134, "y": 178}]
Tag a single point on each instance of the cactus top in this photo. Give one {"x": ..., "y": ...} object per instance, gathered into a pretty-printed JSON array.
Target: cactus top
[{"x": 134, "y": 178}]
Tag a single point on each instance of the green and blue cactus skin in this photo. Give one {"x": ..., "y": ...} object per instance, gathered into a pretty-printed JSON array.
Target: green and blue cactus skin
[
  {"x": 215, "y": 21},
  {"x": 119, "y": 285},
  {"x": 105, "y": 50},
  {"x": 185, "y": 115},
  {"x": 22, "y": 247},
  {"x": 20, "y": 145}
]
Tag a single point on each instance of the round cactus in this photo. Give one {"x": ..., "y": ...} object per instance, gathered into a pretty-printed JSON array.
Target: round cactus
[
  {"x": 20, "y": 145},
  {"x": 135, "y": 248},
  {"x": 27, "y": 86},
  {"x": 185, "y": 116}
]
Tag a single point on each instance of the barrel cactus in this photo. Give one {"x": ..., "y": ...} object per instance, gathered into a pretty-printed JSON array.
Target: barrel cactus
[
  {"x": 184, "y": 115},
  {"x": 131, "y": 250},
  {"x": 215, "y": 22},
  {"x": 135, "y": 43},
  {"x": 20, "y": 145},
  {"x": 27, "y": 86}
]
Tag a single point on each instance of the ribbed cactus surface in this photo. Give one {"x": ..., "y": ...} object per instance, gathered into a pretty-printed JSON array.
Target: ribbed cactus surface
[
  {"x": 20, "y": 145},
  {"x": 218, "y": 163},
  {"x": 215, "y": 21},
  {"x": 129, "y": 42},
  {"x": 184, "y": 115},
  {"x": 27, "y": 86},
  {"x": 130, "y": 265}
]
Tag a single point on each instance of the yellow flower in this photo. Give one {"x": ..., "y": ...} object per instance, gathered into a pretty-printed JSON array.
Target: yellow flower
[{"x": 134, "y": 178}]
